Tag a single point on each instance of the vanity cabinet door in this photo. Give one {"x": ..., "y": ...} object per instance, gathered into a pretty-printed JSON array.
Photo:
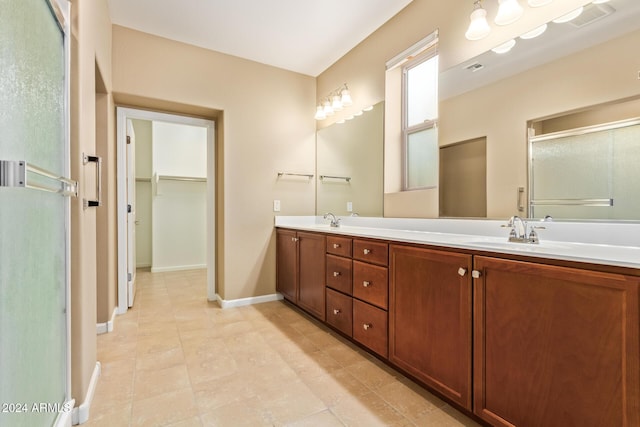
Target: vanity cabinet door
[
  {"x": 287, "y": 263},
  {"x": 555, "y": 346},
  {"x": 430, "y": 318},
  {"x": 311, "y": 264}
]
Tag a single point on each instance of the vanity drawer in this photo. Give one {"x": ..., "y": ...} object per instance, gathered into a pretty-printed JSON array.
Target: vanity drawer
[
  {"x": 340, "y": 311},
  {"x": 370, "y": 251},
  {"x": 371, "y": 284},
  {"x": 339, "y": 246},
  {"x": 370, "y": 327},
  {"x": 338, "y": 274}
]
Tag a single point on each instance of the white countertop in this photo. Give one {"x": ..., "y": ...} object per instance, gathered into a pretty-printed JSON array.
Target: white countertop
[{"x": 596, "y": 243}]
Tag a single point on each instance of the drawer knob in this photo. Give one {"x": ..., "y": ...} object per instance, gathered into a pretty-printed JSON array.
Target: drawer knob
[
  {"x": 336, "y": 245},
  {"x": 367, "y": 251},
  {"x": 367, "y": 326},
  {"x": 336, "y": 273},
  {"x": 462, "y": 271},
  {"x": 336, "y": 311},
  {"x": 476, "y": 274},
  {"x": 366, "y": 284}
]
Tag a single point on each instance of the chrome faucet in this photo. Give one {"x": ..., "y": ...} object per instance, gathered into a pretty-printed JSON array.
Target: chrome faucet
[
  {"x": 335, "y": 221},
  {"x": 519, "y": 233}
]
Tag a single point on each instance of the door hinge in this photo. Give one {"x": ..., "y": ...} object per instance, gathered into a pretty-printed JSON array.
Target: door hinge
[
  {"x": 128, "y": 208},
  {"x": 128, "y": 139},
  {"x": 129, "y": 277}
]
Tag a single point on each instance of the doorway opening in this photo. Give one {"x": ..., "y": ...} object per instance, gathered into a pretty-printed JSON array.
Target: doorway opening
[{"x": 166, "y": 195}]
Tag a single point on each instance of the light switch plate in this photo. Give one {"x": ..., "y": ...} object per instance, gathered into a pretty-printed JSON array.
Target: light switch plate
[
  {"x": 349, "y": 207},
  {"x": 276, "y": 205}
]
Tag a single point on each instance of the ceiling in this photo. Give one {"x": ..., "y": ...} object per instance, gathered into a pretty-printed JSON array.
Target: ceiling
[{"x": 305, "y": 36}]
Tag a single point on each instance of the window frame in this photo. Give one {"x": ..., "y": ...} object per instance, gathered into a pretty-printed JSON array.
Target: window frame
[{"x": 406, "y": 130}]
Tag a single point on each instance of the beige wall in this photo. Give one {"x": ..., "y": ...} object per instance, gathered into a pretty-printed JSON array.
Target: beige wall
[
  {"x": 363, "y": 68},
  {"x": 91, "y": 44},
  {"x": 267, "y": 127}
]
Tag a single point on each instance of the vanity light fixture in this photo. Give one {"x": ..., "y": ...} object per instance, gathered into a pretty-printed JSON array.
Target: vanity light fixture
[
  {"x": 509, "y": 12},
  {"x": 336, "y": 100},
  {"x": 569, "y": 16},
  {"x": 534, "y": 33},
  {"x": 478, "y": 27},
  {"x": 504, "y": 47}
]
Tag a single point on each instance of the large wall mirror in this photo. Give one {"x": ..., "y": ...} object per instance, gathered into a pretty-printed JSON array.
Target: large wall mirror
[
  {"x": 582, "y": 73},
  {"x": 349, "y": 170}
]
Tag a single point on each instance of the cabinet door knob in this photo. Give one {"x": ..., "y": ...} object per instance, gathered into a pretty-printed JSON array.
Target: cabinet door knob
[
  {"x": 336, "y": 273},
  {"x": 462, "y": 271},
  {"x": 336, "y": 245},
  {"x": 294, "y": 239},
  {"x": 367, "y": 251},
  {"x": 367, "y": 326},
  {"x": 336, "y": 311},
  {"x": 366, "y": 284},
  {"x": 476, "y": 274}
]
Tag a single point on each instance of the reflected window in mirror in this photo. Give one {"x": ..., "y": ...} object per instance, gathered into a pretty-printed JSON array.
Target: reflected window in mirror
[{"x": 419, "y": 120}]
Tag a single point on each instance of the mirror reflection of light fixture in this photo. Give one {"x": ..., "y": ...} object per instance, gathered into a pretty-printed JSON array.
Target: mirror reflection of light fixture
[
  {"x": 478, "y": 27},
  {"x": 509, "y": 12},
  {"x": 336, "y": 100},
  {"x": 569, "y": 16},
  {"x": 504, "y": 47},
  {"x": 538, "y": 3},
  {"x": 320, "y": 115},
  {"x": 534, "y": 33}
]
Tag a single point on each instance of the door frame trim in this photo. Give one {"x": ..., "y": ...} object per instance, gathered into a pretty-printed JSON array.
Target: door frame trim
[{"x": 122, "y": 114}]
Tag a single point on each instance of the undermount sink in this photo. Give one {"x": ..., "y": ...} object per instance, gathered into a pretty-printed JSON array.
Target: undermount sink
[{"x": 491, "y": 243}]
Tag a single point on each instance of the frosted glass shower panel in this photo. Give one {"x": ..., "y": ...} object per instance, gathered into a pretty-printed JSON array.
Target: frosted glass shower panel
[
  {"x": 33, "y": 230},
  {"x": 589, "y": 174}
]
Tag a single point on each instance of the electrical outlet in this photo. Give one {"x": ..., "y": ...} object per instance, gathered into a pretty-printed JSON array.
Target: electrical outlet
[
  {"x": 349, "y": 207},
  {"x": 276, "y": 205}
]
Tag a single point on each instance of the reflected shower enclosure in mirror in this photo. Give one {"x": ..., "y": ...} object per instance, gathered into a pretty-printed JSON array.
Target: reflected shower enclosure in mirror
[
  {"x": 349, "y": 169},
  {"x": 594, "y": 64}
]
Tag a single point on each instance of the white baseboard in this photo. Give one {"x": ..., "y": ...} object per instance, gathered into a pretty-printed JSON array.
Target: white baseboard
[
  {"x": 103, "y": 328},
  {"x": 65, "y": 417},
  {"x": 80, "y": 414},
  {"x": 143, "y": 265},
  {"x": 247, "y": 301},
  {"x": 178, "y": 268}
]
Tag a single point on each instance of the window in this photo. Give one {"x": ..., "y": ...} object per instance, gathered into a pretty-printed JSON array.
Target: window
[{"x": 419, "y": 120}]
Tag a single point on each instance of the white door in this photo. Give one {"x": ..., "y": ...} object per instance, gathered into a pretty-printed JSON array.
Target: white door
[{"x": 131, "y": 214}]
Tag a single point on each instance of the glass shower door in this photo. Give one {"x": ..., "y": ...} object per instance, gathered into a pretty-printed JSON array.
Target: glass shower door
[{"x": 33, "y": 223}]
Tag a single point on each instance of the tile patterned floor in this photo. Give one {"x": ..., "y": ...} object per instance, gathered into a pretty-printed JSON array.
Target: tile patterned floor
[{"x": 177, "y": 360}]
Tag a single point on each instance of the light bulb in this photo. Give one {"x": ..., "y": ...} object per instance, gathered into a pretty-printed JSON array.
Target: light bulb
[
  {"x": 505, "y": 47},
  {"x": 328, "y": 110},
  {"x": 336, "y": 104},
  {"x": 345, "y": 97},
  {"x": 478, "y": 27},
  {"x": 320, "y": 115},
  {"x": 569, "y": 16},
  {"x": 508, "y": 12},
  {"x": 534, "y": 33}
]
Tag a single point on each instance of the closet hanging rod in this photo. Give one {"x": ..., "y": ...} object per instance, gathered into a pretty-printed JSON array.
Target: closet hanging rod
[
  {"x": 308, "y": 175},
  {"x": 180, "y": 178},
  {"x": 346, "y": 178},
  {"x": 13, "y": 173}
]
